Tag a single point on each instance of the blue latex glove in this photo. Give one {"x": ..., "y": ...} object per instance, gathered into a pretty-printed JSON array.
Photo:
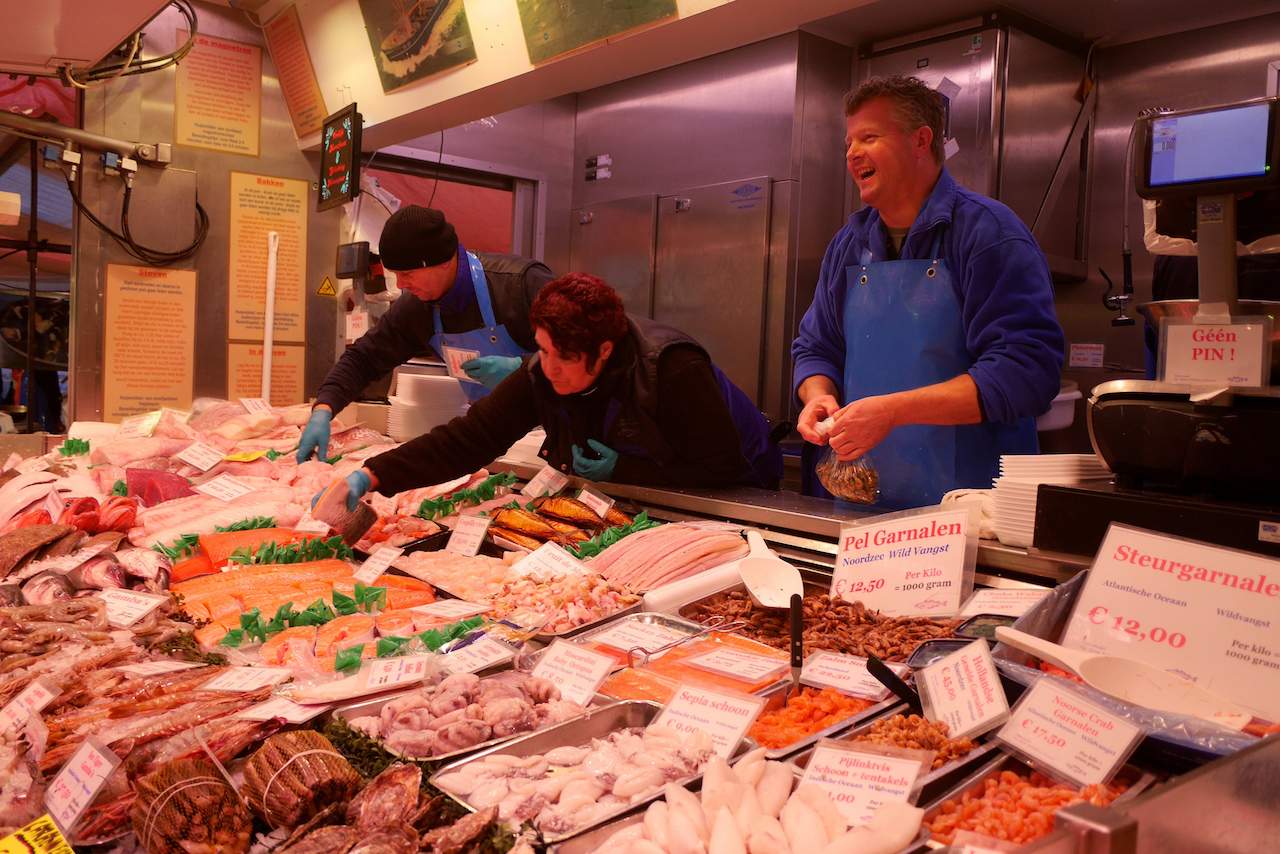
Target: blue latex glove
[
  {"x": 490, "y": 370},
  {"x": 315, "y": 436},
  {"x": 600, "y": 469},
  {"x": 358, "y": 484}
]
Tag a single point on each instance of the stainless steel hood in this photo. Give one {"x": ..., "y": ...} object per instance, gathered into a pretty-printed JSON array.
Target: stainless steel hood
[{"x": 41, "y": 37}]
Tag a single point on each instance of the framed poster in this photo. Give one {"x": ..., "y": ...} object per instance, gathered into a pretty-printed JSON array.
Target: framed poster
[
  {"x": 415, "y": 39},
  {"x": 553, "y": 28}
]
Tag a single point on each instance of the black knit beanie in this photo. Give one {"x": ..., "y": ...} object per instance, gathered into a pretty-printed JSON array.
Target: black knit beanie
[{"x": 414, "y": 237}]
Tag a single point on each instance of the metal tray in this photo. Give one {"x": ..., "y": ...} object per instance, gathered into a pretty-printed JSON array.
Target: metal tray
[
  {"x": 777, "y": 695},
  {"x": 1009, "y": 762},
  {"x": 596, "y": 723},
  {"x": 649, "y": 618},
  {"x": 932, "y": 784},
  {"x": 374, "y": 706}
]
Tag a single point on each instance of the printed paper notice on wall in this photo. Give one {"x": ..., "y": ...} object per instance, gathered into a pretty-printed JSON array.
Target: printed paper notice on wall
[
  {"x": 261, "y": 204},
  {"x": 1086, "y": 355},
  {"x": 218, "y": 99},
  {"x": 149, "y": 334}
]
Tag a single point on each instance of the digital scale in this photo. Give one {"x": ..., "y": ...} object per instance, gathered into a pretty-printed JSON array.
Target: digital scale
[{"x": 1195, "y": 453}]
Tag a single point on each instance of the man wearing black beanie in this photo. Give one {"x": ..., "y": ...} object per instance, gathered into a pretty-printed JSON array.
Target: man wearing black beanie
[{"x": 452, "y": 300}]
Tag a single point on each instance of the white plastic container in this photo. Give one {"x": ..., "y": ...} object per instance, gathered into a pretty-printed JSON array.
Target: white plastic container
[{"x": 1062, "y": 412}]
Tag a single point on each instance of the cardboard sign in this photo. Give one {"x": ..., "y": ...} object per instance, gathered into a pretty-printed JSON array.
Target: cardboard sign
[
  {"x": 744, "y": 666},
  {"x": 282, "y": 707},
  {"x": 242, "y": 679},
  {"x": 201, "y": 456},
  {"x": 1214, "y": 355},
  {"x": 546, "y": 482},
  {"x": 1010, "y": 603},
  {"x": 548, "y": 561},
  {"x": 126, "y": 607},
  {"x": 377, "y": 563},
  {"x": 724, "y": 716},
  {"x": 155, "y": 668},
  {"x": 30, "y": 701},
  {"x": 847, "y": 674},
  {"x": 598, "y": 503},
  {"x": 915, "y": 564},
  {"x": 386, "y": 673},
  {"x": 1207, "y": 613},
  {"x": 451, "y": 609},
  {"x": 39, "y": 837},
  {"x": 255, "y": 404},
  {"x": 1071, "y": 737},
  {"x": 575, "y": 670},
  {"x": 627, "y": 635},
  {"x": 77, "y": 784},
  {"x": 858, "y": 781},
  {"x": 224, "y": 487},
  {"x": 476, "y": 656},
  {"x": 454, "y": 358},
  {"x": 963, "y": 690},
  {"x": 468, "y": 535}
]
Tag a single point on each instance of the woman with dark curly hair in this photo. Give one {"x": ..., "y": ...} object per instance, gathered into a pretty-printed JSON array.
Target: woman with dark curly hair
[{"x": 621, "y": 398}]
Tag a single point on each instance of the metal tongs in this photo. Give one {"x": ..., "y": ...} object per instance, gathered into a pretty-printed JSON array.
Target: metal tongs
[{"x": 714, "y": 624}]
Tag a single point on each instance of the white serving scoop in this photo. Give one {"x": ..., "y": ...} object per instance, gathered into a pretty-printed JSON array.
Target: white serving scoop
[
  {"x": 1132, "y": 681},
  {"x": 770, "y": 580}
]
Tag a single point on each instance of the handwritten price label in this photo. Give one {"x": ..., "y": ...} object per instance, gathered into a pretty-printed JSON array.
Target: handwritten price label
[
  {"x": 914, "y": 564},
  {"x": 546, "y": 482},
  {"x": 468, "y": 535},
  {"x": 30, "y": 701},
  {"x": 243, "y": 679},
  {"x": 576, "y": 671},
  {"x": 454, "y": 357},
  {"x": 963, "y": 691},
  {"x": 377, "y": 563},
  {"x": 224, "y": 487},
  {"x": 847, "y": 674},
  {"x": 201, "y": 456},
  {"x": 382, "y": 674},
  {"x": 724, "y": 716},
  {"x": 743, "y": 666},
  {"x": 860, "y": 782},
  {"x": 126, "y": 607},
  {"x": 1206, "y": 613},
  {"x": 478, "y": 655},
  {"x": 1079, "y": 740},
  {"x": 77, "y": 784},
  {"x": 282, "y": 707},
  {"x": 255, "y": 404},
  {"x": 1214, "y": 354},
  {"x": 548, "y": 561},
  {"x": 598, "y": 503}
]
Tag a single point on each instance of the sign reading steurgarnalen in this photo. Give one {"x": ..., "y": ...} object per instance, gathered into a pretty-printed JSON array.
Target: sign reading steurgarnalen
[{"x": 915, "y": 563}]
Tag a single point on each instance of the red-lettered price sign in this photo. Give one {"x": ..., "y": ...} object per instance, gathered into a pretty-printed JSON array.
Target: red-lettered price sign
[
  {"x": 859, "y": 782},
  {"x": 912, "y": 563},
  {"x": 963, "y": 691},
  {"x": 1207, "y": 613},
  {"x": 724, "y": 716},
  {"x": 77, "y": 784}
]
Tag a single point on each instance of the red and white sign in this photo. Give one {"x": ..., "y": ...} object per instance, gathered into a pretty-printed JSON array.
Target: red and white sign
[
  {"x": 384, "y": 673},
  {"x": 598, "y": 503},
  {"x": 1087, "y": 355},
  {"x": 377, "y": 563},
  {"x": 477, "y": 655},
  {"x": 548, "y": 561},
  {"x": 1214, "y": 355},
  {"x": 912, "y": 565},
  {"x": 575, "y": 670},
  {"x": 546, "y": 482},
  {"x": 859, "y": 782},
  {"x": 724, "y": 716},
  {"x": 627, "y": 635},
  {"x": 1206, "y": 613},
  {"x": 744, "y": 666},
  {"x": 847, "y": 674},
  {"x": 468, "y": 535},
  {"x": 963, "y": 691},
  {"x": 1010, "y": 603},
  {"x": 255, "y": 404},
  {"x": 30, "y": 701},
  {"x": 201, "y": 456},
  {"x": 454, "y": 358},
  {"x": 126, "y": 607},
  {"x": 77, "y": 784}
]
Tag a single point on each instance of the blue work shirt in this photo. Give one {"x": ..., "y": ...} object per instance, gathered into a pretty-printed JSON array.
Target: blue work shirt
[
  {"x": 1001, "y": 280},
  {"x": 462, "y": 293}
]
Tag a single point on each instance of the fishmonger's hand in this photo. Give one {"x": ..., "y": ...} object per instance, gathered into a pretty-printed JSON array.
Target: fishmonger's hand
[
  {"x": 862, "y": 425},
  {"x": 816, "y": 409}
]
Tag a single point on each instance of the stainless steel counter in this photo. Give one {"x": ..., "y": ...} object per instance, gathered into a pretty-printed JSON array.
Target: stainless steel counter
[{"x": 805, "y": 529}]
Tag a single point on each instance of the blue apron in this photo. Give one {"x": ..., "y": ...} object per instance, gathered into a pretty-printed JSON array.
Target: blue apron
[
  {"x": 492, "y": 339},
  {"x": 903, "y": 329}
]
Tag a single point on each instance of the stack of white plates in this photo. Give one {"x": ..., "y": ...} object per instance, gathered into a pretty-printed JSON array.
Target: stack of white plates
[
  {"x": 409, "y": 418},
  {"x": 432, "y": 390},
  {"x": 1017, "y": 488}
]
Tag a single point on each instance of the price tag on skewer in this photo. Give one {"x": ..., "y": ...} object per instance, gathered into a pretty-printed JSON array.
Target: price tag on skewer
[
  {"x": 744, "y": 666},
  {"x": 201, "y": 456},
  {"x": 126, "y": 607},
  {"x": 598, "y": 503},
  {"x": 468, "y": 535},
  {"x": 77, "y": 784},
  {"x": 385, "y": 673},
  {"x": 963, "y": 691},
  {"x": 311, "y": 525},
  {"x": 34, "y": 464},
  {"x": 224, "y": 487},
  {"x": 377, "y": 563}
]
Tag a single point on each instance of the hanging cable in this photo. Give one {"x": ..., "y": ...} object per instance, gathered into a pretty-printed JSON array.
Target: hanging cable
[
  {"x": 439, "y": 166},
  {"x": 111, "y": 71},
  {"x": 145, "y": 254}
]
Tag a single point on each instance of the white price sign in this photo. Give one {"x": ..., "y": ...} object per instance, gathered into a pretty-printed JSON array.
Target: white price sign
[
  {"x": 546, "y": 482},
  {"x": 224, "y": 487},
  {"x": 201, "y": 456},
  {"x": 138, "y": 426},
  {"x": 859, "y": 782},
  {"x": 243, "y": 679},
  {"x": 1077, "y": 739},
  {"x": 963, "y": 691},
  {"x": 468, "y": 534},
  {"x": 454, "y": 357},
  {"x": 155, "y": 668},
  {"x": 311, "y": 525},
  {"x": 1010, "y": 603},
  {"x": 77, "y": 784},
  {"x": 485, "y": 652},
  {"x": 357, "y": 324},
  {"x": 126, "y": 607},
  {"x": 1206, "y": 613},
  {"x": 548, "y": 561},
  {"x": 32, "y": 465},
  {"x": 576, "y": 671},
  {"x": 598, "y": 503},
  {"x": 724, "y": 716},
  {"x": 1229, "y": 354},
  {"x": 744, "y": 666},
  {"x": 911, "y": 565},
  {"x": 635, "y": 634},
  {"x": 281, "y": 707},
  {"x": 29, "y": 702},
  {"x": 384, "y": 673},
  {"x": 377, "y": 563},
  {"x": 451, "y": 609},
  {"x": 847, "y": 674},
  {"x": 255, "y": 404}
]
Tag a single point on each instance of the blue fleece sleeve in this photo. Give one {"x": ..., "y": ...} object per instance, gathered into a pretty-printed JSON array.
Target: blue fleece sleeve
[
  {"x": 1011, "y": 329},
  {"x": 819, "y": 345}
]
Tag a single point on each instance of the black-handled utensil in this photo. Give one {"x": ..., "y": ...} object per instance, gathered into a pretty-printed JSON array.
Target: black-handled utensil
[
  {"x": 886, "y": 677},
  {"x": 797, "y": 641}
]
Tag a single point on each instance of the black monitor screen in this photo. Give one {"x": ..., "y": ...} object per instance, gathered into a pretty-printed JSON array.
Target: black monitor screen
[
  {"x": 340, "y": 158},
  {"x": 1210, "y": 146}
]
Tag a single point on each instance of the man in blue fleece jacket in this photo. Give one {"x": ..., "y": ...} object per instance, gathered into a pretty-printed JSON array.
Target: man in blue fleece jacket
[{"x": 932, "y": 339}]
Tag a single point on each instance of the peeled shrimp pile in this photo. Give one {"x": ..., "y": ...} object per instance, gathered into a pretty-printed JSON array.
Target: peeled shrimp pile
[
  {"x": 750, "y": 809},
  {"x": 465, "y": 710},
  {"x": 571, "y": 788},
  {"x": 567, "y": 602}
]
